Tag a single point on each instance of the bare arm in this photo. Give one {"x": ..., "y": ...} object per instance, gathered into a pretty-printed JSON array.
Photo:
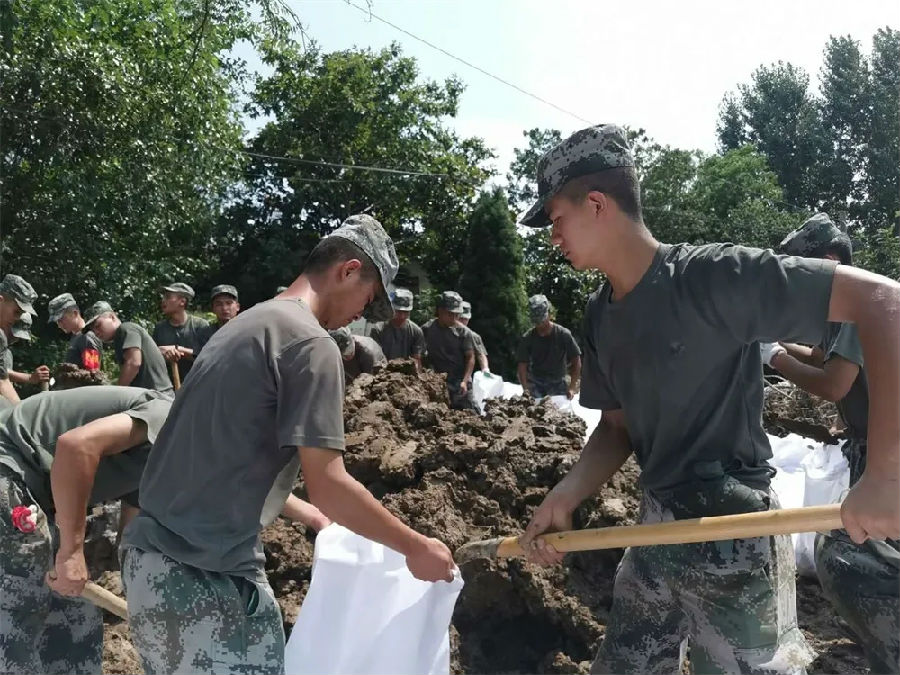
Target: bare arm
[
  {"x": 78, "y": 453},
  {"x": 470, "y": 368},
  {"x": 604, "y": 454},
  {"x": 418, "y": 359},
  {"x": 811, "y": 356},
  {"x": 131, "y": 364},
  {"x": 574, "y": 376},
  {"x": 304, "y": 512},
  {"x": 483, "y": 362},
  {"x": 7, "y": 391},
  {"x": 831, "y": 381},
  {"x": 872, "y": 302},
  {"x": 522, "y": 372},
  {"x": 40, "y": 374},
  {"x": 344, "y": 500}
]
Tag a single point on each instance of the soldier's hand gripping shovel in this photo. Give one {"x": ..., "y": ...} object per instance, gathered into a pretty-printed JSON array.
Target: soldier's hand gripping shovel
[
  {"x": 105, "y": 600},
  {"x": 716, "y": 528}
]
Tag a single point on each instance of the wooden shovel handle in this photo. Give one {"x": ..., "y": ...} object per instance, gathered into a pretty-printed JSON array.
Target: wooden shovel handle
[
  {"x": 105, "y": 600},
  {"x": 176, "y": 375},
  {"x": 716, "y": 528}
]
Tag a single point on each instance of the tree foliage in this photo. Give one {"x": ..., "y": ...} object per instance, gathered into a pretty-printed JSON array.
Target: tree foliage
[{"x": 493, "y": 280}]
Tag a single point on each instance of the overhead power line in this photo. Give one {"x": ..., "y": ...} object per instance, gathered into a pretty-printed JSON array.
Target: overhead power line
[
  {"x": 337, "y": 165},
  {"x": 469, "y": 64}
]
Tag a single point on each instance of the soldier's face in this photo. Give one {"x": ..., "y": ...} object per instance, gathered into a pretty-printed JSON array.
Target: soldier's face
[
  {"x": 225, "y": 307},
  {"x": 400, "y": 316},
  {"x": 10, "y": 312},
  {"x": 348, "y": 294},
  {"x": 68, "y": 322},
  {"x": 447, "y": 318},
  {"x": 577, "y": 228},
  {"x": 104, "y": 327},
  {"x": 172, "y": 302}
]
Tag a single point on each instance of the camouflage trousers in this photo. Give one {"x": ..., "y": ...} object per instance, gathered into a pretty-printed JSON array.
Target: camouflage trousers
[
  {"x": 40, "y": 631},
  {"x": 187, "y": 620},
  {"x": 735, "y": 600},
  {"x": 542, "y": 388}
]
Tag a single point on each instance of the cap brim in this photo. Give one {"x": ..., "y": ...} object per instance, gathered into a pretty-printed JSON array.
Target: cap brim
[
  {"x": 380, "y": 309},
  {"x": 536, "y": 216},
  {"x": 402, "y": 308},
  {"x": 21, "y": 334},
  {"x": 26, "y": 307}
]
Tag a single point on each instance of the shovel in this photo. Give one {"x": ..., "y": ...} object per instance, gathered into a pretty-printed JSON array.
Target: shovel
[
  {"x": 176, "y": 376},
  {"x": 101, "y": 597},
  {"x": 691, "y": 531}
]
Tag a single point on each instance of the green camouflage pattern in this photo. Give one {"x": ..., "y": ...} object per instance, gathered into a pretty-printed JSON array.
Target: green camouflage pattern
[
  {"x": 344, "y": 339},
  {"x": 367, "y": 233},
  {"x": 14, "y": 286},
  {"x": 466, "y": 312},
  {"x": 59, "y": 305},
  {"x": 187, "y": 620},
  {"x": 96, "y": 310},
  {"x": 733, "y": 600},
  {"x": 223, "y": 289},
  {"x": 402, "y": 299},
  {"x": 40, "y": 631},
  {"x": 181, "y": 288},
  {"x": 280, "y": 290},
  {"x": 21, "y": 329},
  {"x": 451, "y": 301},
  {"x": 815, "y": 234},
  {"x": 538, "y": 308},
  {"x": 587, "y": 151}
]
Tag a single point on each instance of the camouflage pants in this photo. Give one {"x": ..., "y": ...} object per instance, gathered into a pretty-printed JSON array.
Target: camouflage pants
[
  {"x": 187, "y": 620},
  {"x": 863, "y": 585},
  {"x": 40, "y": 631},
  {"x": 539, "y": 388},
  {"x": 734, "y": 600}
]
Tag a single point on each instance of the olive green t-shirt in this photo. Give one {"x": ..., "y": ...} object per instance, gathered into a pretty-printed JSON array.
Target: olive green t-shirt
[
  {"x": 548, "y": 356},
  {"x": 399, "y": 343},
  {"x": 447, "y": 348},
  {"x": 85, "y": 351},
  {"x": 153, "y": 373},
  {"x": 29, "y": 431},
  {"x": 678, "y": 356},
  {"x": 270, "y": 383},
  {"x": 367, "y": 358},
  {"x": 478, "y": 343},
  {"x": 189, "y": 334},
  {"x": 842, "y": 339},
  {"x": 204, "y": 335}
]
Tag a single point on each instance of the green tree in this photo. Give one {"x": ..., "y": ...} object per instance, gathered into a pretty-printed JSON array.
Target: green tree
[
  {"x": 493, "y": 280},
  {"x": 521, "y": 179},
  {"x": 333, "y": 110}
]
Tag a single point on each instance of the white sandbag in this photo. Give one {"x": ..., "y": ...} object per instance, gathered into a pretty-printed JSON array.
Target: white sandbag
[
  {"x": 789, "y": 452},
  {"x": 485, "y": 386},
  {"x": 827, "y": 478},
  {"x": 590, "y": 416},
  {"x": 510, "y": 390},
  {"x": 365, "y": 614},
  {"x": 564, "y": 403}
]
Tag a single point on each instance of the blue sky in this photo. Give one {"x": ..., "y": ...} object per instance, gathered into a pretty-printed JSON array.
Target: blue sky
[{"x": 660, "y": 65}]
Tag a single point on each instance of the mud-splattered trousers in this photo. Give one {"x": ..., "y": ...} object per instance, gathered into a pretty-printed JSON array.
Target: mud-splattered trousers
[
  {"x": 863, "y": 582},
  {"x": 735, "y": 600},
  {"x": 187, "y": 620},
  {"x": 40, "y": 631}
]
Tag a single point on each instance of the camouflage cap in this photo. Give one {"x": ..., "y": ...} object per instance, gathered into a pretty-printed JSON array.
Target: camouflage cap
[
  {"x": 466, "y": 312},
  {"x": 59, "y": 305},
  {"x": 96, "y": 310},
  {"x": 402, "y": 299},
  {"x": 815, "y": 234},
  {"x": 344, "y": 339},
  {"x": 590, "y": 150},
  {"x": 21, "y": 329},
  {"x": 538, "y": 308},
  {"x": 223, "y": 289},
  {"x": 367, "y": 233},
  {"x": 14, "y": 286},
  {"x": 451, "y": 301},
  {"x": 181, "y": 288},
  {"x": 280, "y": 290}
]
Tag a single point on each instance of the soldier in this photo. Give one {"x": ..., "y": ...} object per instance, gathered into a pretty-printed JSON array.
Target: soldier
[
  {"x": 265, "y": 396},
  {"x": 545, "y": 352},
  {"x": 85, "y": 348},
  {"x": 862, "y": 582},
  {"x": 16, "y": 298},
  {"x": 140, "y": 362},
  {"x": 671, "y": 359},
  {"x": 451, "y": 349},
  {"x": 178, "y": 335},
  {"x": 61, "y": 452},
  {"x": 21, "y": 332},
  {"x": 400, "y": 338},
  {"x": 360, "y": 354},
  {"x": 481, "y": 355},
  {"x": 225, "y": 306}
]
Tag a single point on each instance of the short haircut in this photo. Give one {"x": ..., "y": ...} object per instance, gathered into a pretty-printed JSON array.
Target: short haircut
[
  {"x": 841, "y": 247},
  {"x": 333, "y": 250},
  {"x": 619, "y": 184}
]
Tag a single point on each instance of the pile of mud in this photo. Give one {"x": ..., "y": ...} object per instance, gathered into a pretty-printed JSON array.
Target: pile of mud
[
  {"x": 70, "y": 376},
  {"x": 789, "y": 409}
]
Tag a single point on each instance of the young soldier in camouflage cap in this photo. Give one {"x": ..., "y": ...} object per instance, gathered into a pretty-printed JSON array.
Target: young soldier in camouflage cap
[
  {"x": 225, "y": 305},
  {"x": 481, "y": 355},
  {"x": 264, "y": 394},
  {"x": 85, "y": 348},
  {"x": 360, "y": 354},
  {"x": 179, "y": 334},
  {"x": 400, "y": 338},
  {"x": 61, "y": 452},
  {"x": 451, "y": 349},
  {"x": 16, "y": 298},
  {"x": 862, "y": 582},
  {"x": 21, "y": 332},
  {"x": 544, "y": 354},
  {"x": 671, "y": 359}
]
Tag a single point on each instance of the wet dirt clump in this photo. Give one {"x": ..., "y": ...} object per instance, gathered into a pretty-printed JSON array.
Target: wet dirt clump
[{"x": 70, "y": 376}]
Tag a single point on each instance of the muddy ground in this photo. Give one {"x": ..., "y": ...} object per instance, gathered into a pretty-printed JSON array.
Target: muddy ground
[{"x": 460, "y": 477}]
